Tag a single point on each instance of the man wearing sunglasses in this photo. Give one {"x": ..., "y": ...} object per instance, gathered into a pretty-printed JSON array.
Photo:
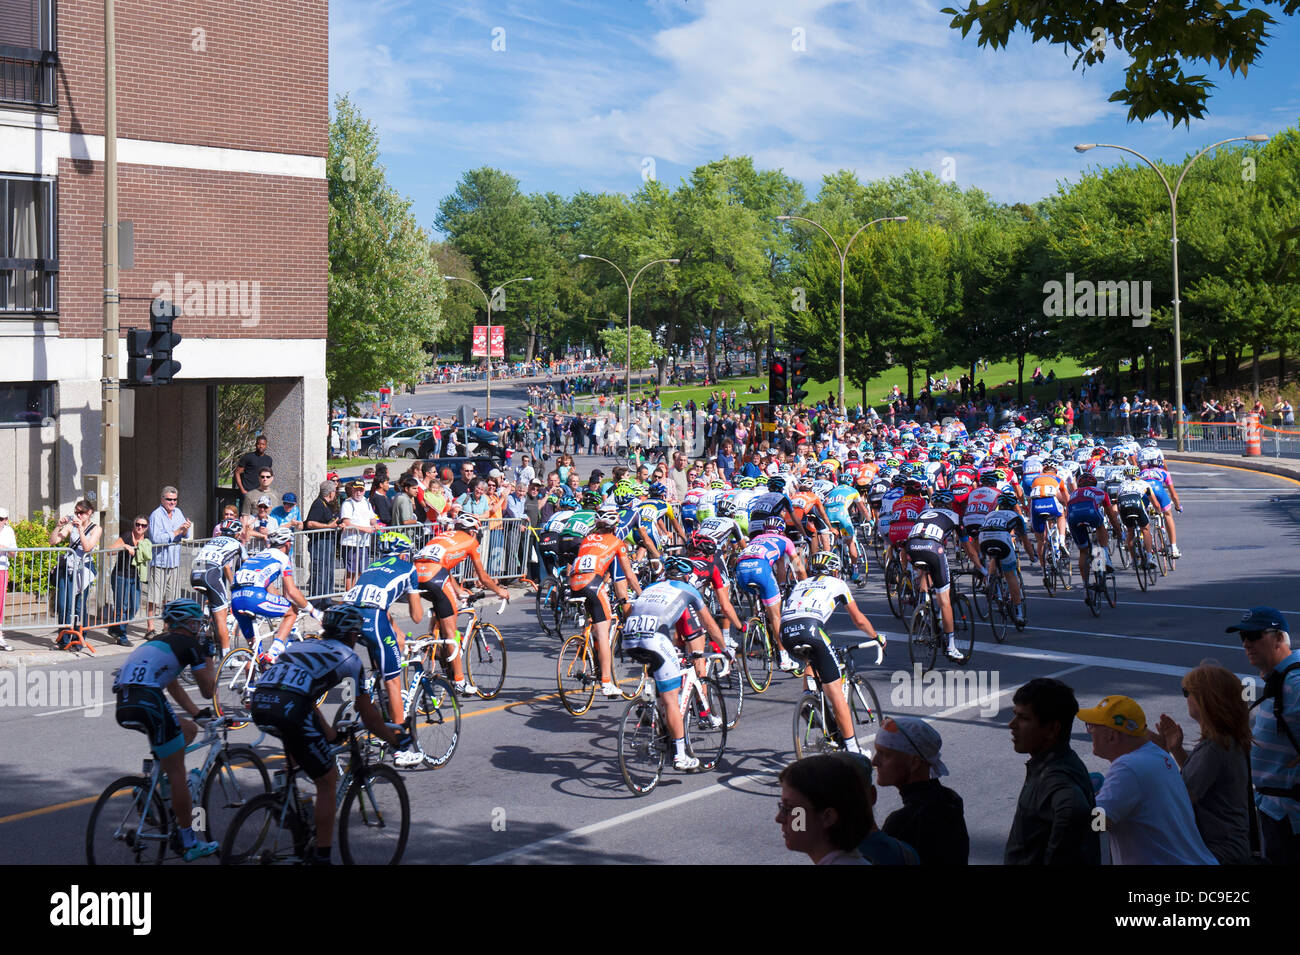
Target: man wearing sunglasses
[{"x": 1275, "y": 729}]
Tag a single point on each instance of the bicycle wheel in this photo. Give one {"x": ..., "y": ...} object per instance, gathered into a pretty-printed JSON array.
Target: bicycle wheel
[
  {"x": 576, "y": 673},
  {"x": 864, "y": 705},
  {"x": 544, "y": 603},
  {"x": 1065, "y": 572},
  {"x": 264, "y": 832},
  {"x": 375, "y": 819},
  {"x": 963, "y": 625},
  {"x": 1024, "y": 603},
  {"x": 893, "y": 590},
  {"x": 237, "y": 775},
  {"x": 1092, "y": 596},
  {"x": 810, "y": 736},
  {"x": 922, "y": 644},
  {"x": 642, "y": 746},
  {"x": 485, "y": 661},
  {"x": 235, "y": 676},
  {"x": 1139, "y": 563},
  {"x": 732, "y": 687},
  {"x": 979, "y": 595},
  {"x": 998, "y": 609},
  {"x": 1111, "y": 588},
  {"x": 629, "y": 676},
  {"x": 707, "y": 734},
  {"x": 758, "y": 654},
  {"x": 1049, "y": 569},
  {"x": 124, "y": 829},
  {"x": 434, "y": 720}
]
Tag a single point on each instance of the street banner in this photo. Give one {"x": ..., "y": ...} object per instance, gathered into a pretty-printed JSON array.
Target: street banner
[
  {"x": 479, "y": 349},
  {"x": 498, "y": 341},
  {"x": 480, "y": 342}
]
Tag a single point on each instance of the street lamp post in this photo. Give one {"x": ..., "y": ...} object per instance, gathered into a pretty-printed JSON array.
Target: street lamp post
[
  {"x": 627, "y": 370},
  {"x": 488, "y": 298},
  {"x": 843, "y": 259},
  {"x": 1173, "y": 241}
]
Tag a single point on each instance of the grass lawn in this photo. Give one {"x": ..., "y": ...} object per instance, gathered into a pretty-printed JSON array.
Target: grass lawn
[{"x": 334, "y": 464}]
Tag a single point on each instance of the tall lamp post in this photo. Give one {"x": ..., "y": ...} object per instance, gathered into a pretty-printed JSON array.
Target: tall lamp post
[
  {"x": 1173, "y": 241},
  {"x": 844, "y": 254},
  {"x": 627, "y": 371},
  {"x": 487, "y": 298}
]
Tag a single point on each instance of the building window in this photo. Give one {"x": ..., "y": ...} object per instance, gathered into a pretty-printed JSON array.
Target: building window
[
  {"x": 26, "y": 404},
  {"x": 29, "y": 264},
  {"x": 27, "y": 52}
]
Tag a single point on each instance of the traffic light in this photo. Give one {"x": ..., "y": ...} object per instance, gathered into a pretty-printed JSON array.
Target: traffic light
[
  {"x": 149, "y": 352},
  {"x": 798, "y": 375},
  {"x": 777, "y": 375}
]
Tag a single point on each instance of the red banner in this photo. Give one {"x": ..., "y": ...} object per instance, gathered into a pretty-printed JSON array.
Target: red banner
[
  {"x": 479, "y": 349},
  {"x": 498, "y": 341}
]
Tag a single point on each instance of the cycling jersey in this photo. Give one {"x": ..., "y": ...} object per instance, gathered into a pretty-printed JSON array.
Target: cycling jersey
[
  {"x": 997, "y": 537},
  {"x": 811, "y": 603},
  {"x": 925, "y": 544},
  {"x": 139, "y": 686},
  {"x": 754, "y": 568},
  {"x": 596, "y": 556},
  {"x": 436, "y": 562},
  {"x": 381, "y": 585},
  {"x": 1159, "y": 481},
  {"x": 219, "y": 552},
  {"x": 903, "y": 516},
  {"x": 663, "y": 611},
  {"x": 1130, "y": 500},
  {"x": 1087, "y": 507},
  {"x": 207, "y": 574},
  {"x": 263, "y": 569},
  {"x": 720, "y": 529},
  {"x": 579, "y": 524},
  {"x": 557, "y": 521},
  {"x": 1044, "y": 502},
  {"x": 979, "y": 505},
  {"x": 769, "y": 504}
]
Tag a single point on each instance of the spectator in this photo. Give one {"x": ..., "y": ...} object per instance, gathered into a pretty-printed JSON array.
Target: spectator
[
  {"x": 130, "y": 575},
  {"x": 403, "y": 505},
  {"x": 228, "y": 513},
  {"x": 288, "y": 513},
  {"x": 932, "y": 819},
  {"x": 525, "y": 473},
  {"x": 75, "y": 571},
  {"x": 263, "y": 489},
  {"x": 358, "y": 520},
  {"x": 533, "y": 504},
  {"x": 1217, "y": 771},
  {"x": 1144, "y": 803},
  {"x": 1053, "y": 821},
  {"x": 825, "y": 810},
  {"x": 1275, "y": 760},
  {"x": 251, "y": 465},
  {"x": 475, "y": 500},
  {"x": 320, "y": 545},
  {"x": 167, "y": 528},
  {"x": 461, "y": 484},
  {"x": 878, "y": 848},
  {"x": 8, "y": 544},
  {"x": 354, "y": 439},
  {"x": 379, "y": 501}
]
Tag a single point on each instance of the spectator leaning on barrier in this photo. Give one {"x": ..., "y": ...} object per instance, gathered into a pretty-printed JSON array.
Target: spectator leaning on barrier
[
  {"x": 358, "y": 523},
  {"x": 1275, "y": 729},
  {"x": 288, "y": 513},
  {"x": 1053, "y": 821},
  {"x": 321, "y": 520},
  {"x": 167, "y": 528},
  {"x": 1145, "y": 808},
  {"x": 130, "y": 575},
  {"x": 1217, "y": 771},
  {"x": 932, "y": 819},
  {"x": 8, "y": 544}
]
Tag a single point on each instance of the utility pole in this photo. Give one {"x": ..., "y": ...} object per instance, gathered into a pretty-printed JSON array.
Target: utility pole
[{"x": 109, "y": 503}]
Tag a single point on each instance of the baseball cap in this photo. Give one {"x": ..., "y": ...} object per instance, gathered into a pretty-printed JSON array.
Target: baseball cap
[
  {"x": 1117, "y": 712},
  {"x": 263, "y": 501},
  {"x": 290, "y": 498},
  {"x": 916, "y": 737},
  {"x": 4, "y": 513},
  {"x": 494, "y": 473},
  {"x": 1259, "y": 618}
]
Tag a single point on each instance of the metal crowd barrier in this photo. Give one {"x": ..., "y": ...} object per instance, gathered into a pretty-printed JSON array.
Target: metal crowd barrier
[{"x": 52, "y": 587}]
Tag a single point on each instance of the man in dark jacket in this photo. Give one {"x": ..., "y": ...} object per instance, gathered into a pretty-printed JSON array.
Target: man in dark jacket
[
  {"x": 932, "y": 820},
  {"x": 1054, "y": 815}
]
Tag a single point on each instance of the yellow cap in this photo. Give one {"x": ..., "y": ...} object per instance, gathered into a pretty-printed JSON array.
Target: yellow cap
[{"x": 1119, "y": 713}]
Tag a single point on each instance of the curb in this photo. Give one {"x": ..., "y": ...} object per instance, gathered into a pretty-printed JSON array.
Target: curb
[{"x": 1265, "y": 466}]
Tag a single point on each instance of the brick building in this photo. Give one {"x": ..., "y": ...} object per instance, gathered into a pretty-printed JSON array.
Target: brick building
[{"x": 223, "y": 125}]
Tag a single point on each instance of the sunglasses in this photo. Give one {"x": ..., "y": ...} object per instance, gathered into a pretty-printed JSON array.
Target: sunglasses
[
  {"x": 1250, "y": 636},
  {"x": 170, "y": 500},
  {"x": 141, "y": 524},
  {"x": 1186, "y": 692}
]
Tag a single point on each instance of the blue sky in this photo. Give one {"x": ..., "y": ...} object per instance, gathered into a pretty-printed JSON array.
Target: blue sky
[{"x": 586, "y": 94}]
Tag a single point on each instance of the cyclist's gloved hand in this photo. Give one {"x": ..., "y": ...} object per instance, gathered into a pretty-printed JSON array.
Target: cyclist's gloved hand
[{"x": 204, "y": 714}]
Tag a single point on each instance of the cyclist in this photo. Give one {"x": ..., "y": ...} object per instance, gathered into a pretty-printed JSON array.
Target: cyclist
[
  {"x": 925, "y": 548},
  {"x": 1162, "y": 486},
  {"x": 980, "y": 502},
  {"x": 810, "y": 513},
  {"x": 1048, "y": 497},
  {"x": 807, "y": 611},
  {"x": 151, "y": 668},
  {"x": 557, "y": 552},
  {"x": 1087, "y": 506},
  {"x": 722, "y": 528},
  {"x": 283, "y": 704},
  {"x": 665, "y": 611},
  {"x": 212, "y": 571},
  {"x": 843, "y": 504},
  {"x": 253, "y": 598},
  {"x": 773, "y": 503},
  {"x": 378, "y": 589},
  {"x": 440, "y": 557},
  {"x": 762, "y": 566},
  {"x": 709, "y": 570},
  {"x": 997, "y": 542},
  {"x": 691, "y": 502},
  {"x": 1131, "y": 500},
  {"x": 905, "y": 512},
  {"x": 662, "y": 512},
  {"x": 602, "y": 556}
]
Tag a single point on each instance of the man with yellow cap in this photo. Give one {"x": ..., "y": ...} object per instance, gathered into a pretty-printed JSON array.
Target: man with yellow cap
[{"x": 1145, "y": 808}]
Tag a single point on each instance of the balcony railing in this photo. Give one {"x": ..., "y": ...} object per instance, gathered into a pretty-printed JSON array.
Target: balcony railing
[
  {"x": 28, "y": 285},
  {"x": 27, "y": 75}
]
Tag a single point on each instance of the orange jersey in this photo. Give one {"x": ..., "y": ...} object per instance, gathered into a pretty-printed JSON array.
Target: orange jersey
[
  {"x": 595, "y": 555},
  {"x": 804, "y": 502},
  {"x": 445, "y": 552}
]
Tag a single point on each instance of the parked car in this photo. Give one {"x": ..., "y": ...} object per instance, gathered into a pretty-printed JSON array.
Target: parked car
[{"x": 405, "y": 442}]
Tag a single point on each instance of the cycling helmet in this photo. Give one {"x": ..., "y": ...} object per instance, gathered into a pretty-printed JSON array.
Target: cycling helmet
[
  {"x": 343, "y": 622},
  {"x": 776, "y": 483},
  {"x": 623, "y": 496},
  {"x": 725, "y": 508},
  {"x": 657, "y": 491},
  {"x": 232, "y": 527},
  {"x": 1006, "y": 501},
  {"x": 698, "y": 481},
  {"x": 748, "y": 484},
  {"x": 1150, "y": 456},
  {"x": 466, "y": 522},
  {"x": 774, "y": 525},
  {"x": 967, "y": 458},
  {"x": 1086, "y": 479},
  {"x": 824, "y": 473},
  {"x": 897, "y": 480},
  {"x": 942, "y": 499},
  {"x": 913, "y": 484},
  {"x": 989, "y": 479},
  {"x": 279, "y": 537},
  {"x": 678, "y": 567},
  {"x": 825, "y": 562},
  {"x": 1131, "y": 472},
  {"x": 704, "y": 544},
  {"x": 1052, "y": 464},
  {"x": 805, "y": 483},
  {"x": 183, "y": 612},
  {"x": 395, "y": 542},
  {"x": 591, "y": 500},
  {"x": 568, "y": 503},
  {"x": 1118, "y": 456},
  {"x": 1150, "y": 443},
  {"x": 607, "y": 518}
]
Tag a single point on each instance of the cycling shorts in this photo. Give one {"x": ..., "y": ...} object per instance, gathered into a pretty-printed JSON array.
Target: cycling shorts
[
  {"x": 211, "y": 582},
  {"x": 999, "y": 544},
  {"x": 1038, "y": 518},
  {"x": 144, "y": 708},
  {"x": 381, "y": 641},
  {"x": 251, "y": 602},
  {"x": 899, "y": 529},
  {"x": 435, "y": 591},
  {"x": 289, "y": 716},
  {"x": 1045, "y": 506},
  {"x": 598, "y": 608},
  {"x": 1131, "y": 511},
  {"x": 808, "y": 632},
  {"x": 757, "y": 573},
  {"x": 814, "y": 523},
  {"x": 660, "y": 657},
  {"x": 931, "y": 555},
  {"x": 841, "y": 519},
  {"x": 1162, "y": 495},
  {"x": 1079, "y": 517}
]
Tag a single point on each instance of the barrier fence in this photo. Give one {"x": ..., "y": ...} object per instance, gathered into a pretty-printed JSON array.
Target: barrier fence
[{"x": 49, "y": 588}]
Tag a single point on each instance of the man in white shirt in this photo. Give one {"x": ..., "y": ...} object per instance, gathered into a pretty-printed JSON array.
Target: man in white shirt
[
  {"x": 1145, "y": 809},
  {"x": 359, "y": 523}
]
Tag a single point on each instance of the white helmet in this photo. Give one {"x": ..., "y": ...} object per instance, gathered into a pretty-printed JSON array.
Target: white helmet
[{"x": 466, "y": 522}]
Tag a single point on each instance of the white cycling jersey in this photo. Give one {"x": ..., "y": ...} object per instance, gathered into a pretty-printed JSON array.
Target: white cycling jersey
[
  {"x": 219, "y": 552},
  {"x": 816, "y": 597}
]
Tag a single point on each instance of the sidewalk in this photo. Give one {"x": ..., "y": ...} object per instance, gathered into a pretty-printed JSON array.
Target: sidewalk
[{"x": 1281, "y": 467}]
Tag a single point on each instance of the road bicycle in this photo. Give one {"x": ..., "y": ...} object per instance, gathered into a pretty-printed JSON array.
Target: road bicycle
[
  {"x": 1101, "y": 576},
  {"x": 759, "y": 652},
  {"x": 730, "y": 678},
  {"x": 279, "y": 827},
  {"x": 549, "y": 602},
  {"x": 577, "y": 670},
  {"x": 643, "y": 743},
  {"x": 1144, "y": 561},
  {"x": 1160, "y": 537},
  {"x": 1058, "y": 564},
  {"x": 131, "y": 822},
  {"x": 815, "y": 729},
  {"x": 991, "y": 598},
  {"x": 925, "y": 636},
  {"x": 900, "y": 590},
  {"x": 484, "y": 649},
  {"x": 238, "y": 671}
]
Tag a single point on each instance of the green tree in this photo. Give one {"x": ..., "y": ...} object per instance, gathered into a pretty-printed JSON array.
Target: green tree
[
  {"x": 384, "y": 288},
  {"x": 614, "y": 341}
]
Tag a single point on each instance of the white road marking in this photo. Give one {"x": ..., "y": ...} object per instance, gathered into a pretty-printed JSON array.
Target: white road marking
[
  {"x": 1090, "y": 660},
  {"x": 1125, "y": 636},
  {"x": 72, "y": 709},
  {"x": 1237, "y": 610}
]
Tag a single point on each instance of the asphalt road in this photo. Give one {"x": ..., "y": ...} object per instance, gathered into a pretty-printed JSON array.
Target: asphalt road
[{"x": 530, "y": 783}]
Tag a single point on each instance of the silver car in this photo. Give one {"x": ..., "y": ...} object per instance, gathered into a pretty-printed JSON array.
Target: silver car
[{"x": 405, "y": 442}]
